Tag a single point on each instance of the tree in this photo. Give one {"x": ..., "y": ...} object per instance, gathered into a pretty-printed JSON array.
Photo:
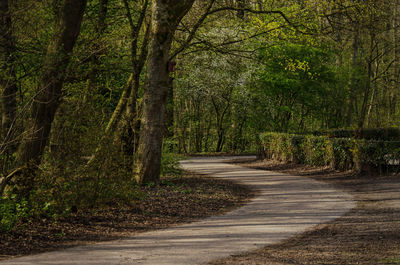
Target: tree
[
  {"x": 166, "y": 16},
  {"x": 131, "y": 121},
  {"x": 48, "y": 94},
  {"x": 8, "y": 83},
  {"x": 293, "y": 86},
  {"x": 211, "y": 92},
  {"x": 125, "y": 120}
]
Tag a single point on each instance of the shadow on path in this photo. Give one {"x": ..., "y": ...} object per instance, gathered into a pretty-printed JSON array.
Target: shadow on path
[{"x": 285, "y": 205}]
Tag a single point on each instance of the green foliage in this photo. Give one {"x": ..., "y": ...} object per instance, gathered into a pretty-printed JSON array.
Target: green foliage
[
  {"x": 377, "y": 154},
  {"x": 296, "y": 142},
  {"x": 282, "y": 147},
  {"x": 294, "y": 80},
  {"x": 392, "y": 261},
  {"x": 13, "y": 210},
  {"x": 298, "y": 82},
  {"x": 170, "y": 158},
  {"x": 212, "y": 103},
  {"x": 170, "y": 164},
  {"x": 384, "y": 134},
  {"x": 338, "y": 153},
  {"x": 343, "y": 150},
  {"x": 318, "y": 151},
  {"x": 378, "y": 134}
]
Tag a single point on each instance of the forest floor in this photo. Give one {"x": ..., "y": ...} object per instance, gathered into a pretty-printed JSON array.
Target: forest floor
[
  {"x": 177, "y": 200},
  {"x": 368, "y": 234}
]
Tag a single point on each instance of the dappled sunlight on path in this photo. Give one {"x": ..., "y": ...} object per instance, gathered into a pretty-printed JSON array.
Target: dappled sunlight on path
[{"x": 283, "y": 206}]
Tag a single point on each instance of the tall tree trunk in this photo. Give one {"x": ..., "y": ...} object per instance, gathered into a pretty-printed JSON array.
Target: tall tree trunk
[
  {"x": 206, "y": 144},
  {"x": 166, "y": 15},
  {"x": 364, "y": 106},
  {"x": 371, "y": 104},
  {"x": 8, "y": 83},
  {"x": 48, "y": 94},
  {"x": 130, "y": 126},
  {"x": 169, "y": 117},
  {"x": 124, "y": 118},
  {"x": 396, "y": 56},
  {"x": 354, "y": 79}
]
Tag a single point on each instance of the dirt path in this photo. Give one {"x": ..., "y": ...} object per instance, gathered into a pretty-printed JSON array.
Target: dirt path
[
  {"x": 285, "y": 205},
  {"x": 369, "y": 234}
]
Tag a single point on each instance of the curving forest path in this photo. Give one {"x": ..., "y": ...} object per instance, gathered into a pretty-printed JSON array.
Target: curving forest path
[{"x": 284, "y": 205}]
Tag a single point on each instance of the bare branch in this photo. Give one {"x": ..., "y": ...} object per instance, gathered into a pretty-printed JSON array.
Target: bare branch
[{"x": 192, "y": 33}]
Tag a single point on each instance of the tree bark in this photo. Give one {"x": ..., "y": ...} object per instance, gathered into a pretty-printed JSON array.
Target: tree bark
[
  {"x": 364, "y": 106},
  {"x": 166, "y": 15},
  {"x": 8, "y": 83},
  {"x": 130, "y": 124},
  {"x": 169, "y": 120},
  {"x": 48, "y": 94},
  {"x": 393, "y": 98}
]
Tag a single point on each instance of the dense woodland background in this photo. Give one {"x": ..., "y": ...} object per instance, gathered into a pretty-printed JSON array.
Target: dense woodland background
[{"x": 94, "y": 93}]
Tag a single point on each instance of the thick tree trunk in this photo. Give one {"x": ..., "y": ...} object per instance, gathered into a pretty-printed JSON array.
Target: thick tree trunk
[
  {"x": 166, "y": 15},
  {"x": 8, "y": 85},
  {"x": 48, "y": 95}
]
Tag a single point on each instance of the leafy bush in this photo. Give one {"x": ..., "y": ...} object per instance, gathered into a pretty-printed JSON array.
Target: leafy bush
[
  {"x": 338, "y": 153},
  {"x": 383, "y": 134},
  {"x": 376, "y": 155},
  {"x": 377, "y": 134},
  {"x": 318, "y": 151},
  {"x": 170, "y": 164},
  {"x": 277, "y": 146},
  {"x": 11, "y": 211},
  {"x": 296, "y": 143},
  {"x": 343, "y": 153}
]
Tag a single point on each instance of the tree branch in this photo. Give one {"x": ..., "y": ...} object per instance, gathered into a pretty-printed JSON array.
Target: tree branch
[{"x": 192, "y": 33}]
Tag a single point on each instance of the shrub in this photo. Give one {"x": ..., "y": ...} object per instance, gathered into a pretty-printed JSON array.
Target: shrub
[
  {"x": 317, "y": 150},
  {"x": 343, "y": 153},
  {"x": 377, "y": 134},
  {"x": 11, "y": 211},
  {"x": 376, "y": 155},
  {"x": 170, "y": 164},
  {"x": 297, "y": 142},
  {"x": 383, "y": 134},
  {"x": 337, "y": 153}
]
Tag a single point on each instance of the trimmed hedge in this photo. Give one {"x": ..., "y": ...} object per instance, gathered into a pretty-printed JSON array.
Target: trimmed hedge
[
  {"x": 337, "y": 153},
  {"x": 378, "y": 134}
]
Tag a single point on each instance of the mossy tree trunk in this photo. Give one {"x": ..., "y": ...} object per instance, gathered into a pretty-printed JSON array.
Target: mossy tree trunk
[
  {"x": 166, "y": 15},
  {"x": 130, "y": 126},
  {"x": 8, "y": 85},
  {"x": 48, "y": 94}
]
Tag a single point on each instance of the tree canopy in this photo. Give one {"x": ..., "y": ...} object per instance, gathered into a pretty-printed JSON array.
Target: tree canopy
[{"x": 95, "y": 93}]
